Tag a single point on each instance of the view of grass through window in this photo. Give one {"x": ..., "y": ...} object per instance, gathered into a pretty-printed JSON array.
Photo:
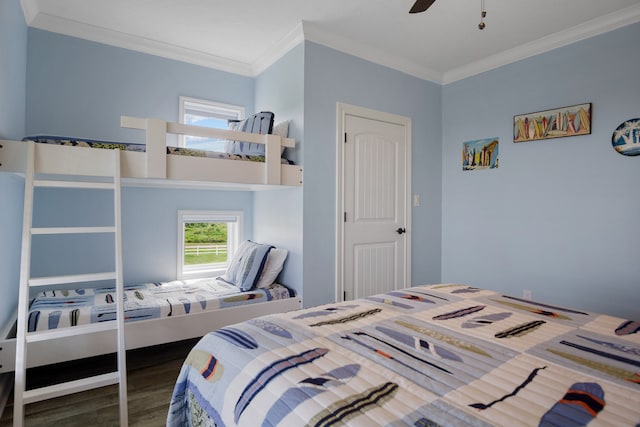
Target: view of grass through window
[{"x": 205, "y": 243}]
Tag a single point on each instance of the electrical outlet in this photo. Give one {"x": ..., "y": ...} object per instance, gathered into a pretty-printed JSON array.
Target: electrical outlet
[{"x": 527, "y": 294}]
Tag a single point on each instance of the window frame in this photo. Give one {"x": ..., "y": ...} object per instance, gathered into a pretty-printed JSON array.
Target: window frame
[
  {"x": 215, "y": 109},
  {"x": 235, "y": 235}
]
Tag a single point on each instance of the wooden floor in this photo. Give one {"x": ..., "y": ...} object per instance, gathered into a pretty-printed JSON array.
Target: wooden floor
[{"x": 152, "y": 373}]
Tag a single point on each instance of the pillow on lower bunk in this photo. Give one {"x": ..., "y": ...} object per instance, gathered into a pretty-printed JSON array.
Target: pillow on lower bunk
[
  {"x": 273, "y": 267},
  {"x": 261, "y": 123},
  {"x": 247, "y": 265}
]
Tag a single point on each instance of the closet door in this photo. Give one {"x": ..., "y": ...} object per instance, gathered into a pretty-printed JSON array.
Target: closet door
[{"x": 375, "y": 194}]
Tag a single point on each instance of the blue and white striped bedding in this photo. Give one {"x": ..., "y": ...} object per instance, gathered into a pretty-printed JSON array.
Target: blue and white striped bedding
[
  {"x": 440, "y": 355},
  {"x": 62, "y": 308}
]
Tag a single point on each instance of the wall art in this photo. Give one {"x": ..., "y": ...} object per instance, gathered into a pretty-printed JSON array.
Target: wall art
[
  {"x": 626, "y": 138},
  {"x": 556, "y": 123},
  {"x": 480, "y": 154}
]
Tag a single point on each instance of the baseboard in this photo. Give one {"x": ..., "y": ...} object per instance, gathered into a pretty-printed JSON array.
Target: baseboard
[{"x": 6, "y": 385}]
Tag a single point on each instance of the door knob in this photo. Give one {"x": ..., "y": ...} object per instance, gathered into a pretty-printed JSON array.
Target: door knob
[{"x": 401, "y": 230}]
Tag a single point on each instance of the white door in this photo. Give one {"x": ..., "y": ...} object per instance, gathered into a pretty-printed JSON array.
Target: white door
[{"x": 375, "y": 203}]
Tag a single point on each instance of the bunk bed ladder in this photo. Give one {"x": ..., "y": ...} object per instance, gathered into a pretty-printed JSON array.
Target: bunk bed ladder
[{"x": 22, "y": 396}]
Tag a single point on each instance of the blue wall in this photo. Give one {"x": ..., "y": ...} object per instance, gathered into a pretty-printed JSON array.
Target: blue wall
[
  {"x": 13, "y": 64},
  {"x": 149, "y": 229},
  {"x": 80, "y": 88},
  {"x": 278, "y": 219},
  {"x": 558, "y": 217},
  {"x": 330, "y": 77}
]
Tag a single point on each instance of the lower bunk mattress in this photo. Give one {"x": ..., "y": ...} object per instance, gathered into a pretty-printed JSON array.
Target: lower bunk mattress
[
  {"x": 439, "y": 355},
  {"x": 62, "y": 308}
]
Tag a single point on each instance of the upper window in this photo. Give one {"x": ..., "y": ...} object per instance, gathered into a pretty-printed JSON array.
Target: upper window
[
  {"x": 208, "y": 114},
  {"x": 206, "y": 242}
]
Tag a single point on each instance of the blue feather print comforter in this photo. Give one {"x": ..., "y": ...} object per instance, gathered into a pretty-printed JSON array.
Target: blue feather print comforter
[{"x": 439, "y": 355}]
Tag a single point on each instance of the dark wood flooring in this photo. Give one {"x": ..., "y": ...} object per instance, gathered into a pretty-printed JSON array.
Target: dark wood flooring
[{"x": 152, "y": 373}]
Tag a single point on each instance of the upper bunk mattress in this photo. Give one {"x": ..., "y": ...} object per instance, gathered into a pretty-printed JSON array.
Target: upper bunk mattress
[
  {"x": 141, "y": 148},
  {"x": 62, "y": 308}
]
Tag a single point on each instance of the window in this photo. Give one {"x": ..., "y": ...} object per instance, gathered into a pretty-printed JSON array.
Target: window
[
  {"x": 206, "y": 241},
  {"x": 209, "y": 114}
]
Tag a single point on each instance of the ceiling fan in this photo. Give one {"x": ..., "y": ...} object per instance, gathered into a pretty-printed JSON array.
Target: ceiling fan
[{"x": 421, "y": 6}]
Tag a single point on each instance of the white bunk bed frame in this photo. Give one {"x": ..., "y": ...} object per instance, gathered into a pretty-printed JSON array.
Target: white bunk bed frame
[
  {"x": 139, "y": 334},
  {"x": 157, "y": 169}
]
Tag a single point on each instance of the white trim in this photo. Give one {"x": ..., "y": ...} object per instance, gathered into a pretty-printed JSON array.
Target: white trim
[
  {"x": 575, "y": 34},
  {"x": 110, "y": 37},
  {"x": 215, "y": 105},
  {"x": 199, "y": 185},
  {"x": 369, "y": 53},
  {"x": 182, "y": 100},
  {"x": 277, "y": 51},
  {"x": 343, "y": 110},
  {"x": 307, "y": 31},
  {"x": 30, "y": 10}
]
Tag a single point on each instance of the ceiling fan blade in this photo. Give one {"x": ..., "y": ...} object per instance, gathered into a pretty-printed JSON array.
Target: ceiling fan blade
[{"x": 421, "y": 6}]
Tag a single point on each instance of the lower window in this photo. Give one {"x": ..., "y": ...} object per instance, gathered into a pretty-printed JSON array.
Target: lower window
[{"x": 206, "y": 242}]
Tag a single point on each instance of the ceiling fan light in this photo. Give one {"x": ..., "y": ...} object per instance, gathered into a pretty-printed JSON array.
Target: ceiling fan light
[{"x": 483, "y": 14}]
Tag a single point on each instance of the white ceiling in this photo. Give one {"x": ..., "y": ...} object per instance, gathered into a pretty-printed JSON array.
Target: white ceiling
[{"x": 442, "y": 44}]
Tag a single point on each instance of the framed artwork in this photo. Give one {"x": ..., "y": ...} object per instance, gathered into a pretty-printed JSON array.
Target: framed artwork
[
  {"x": 558, "y": 123},
  {"x": 626, "y": 138},
  {"x": 480, "y": 154}
]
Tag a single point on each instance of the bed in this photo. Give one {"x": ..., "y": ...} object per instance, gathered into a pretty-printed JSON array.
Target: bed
[
  {"x": 437, "y": 355},
  {"x": 67, "y": 308},
  {"x": 156, "y": 312},
  {"x": 154, "y": 164}
]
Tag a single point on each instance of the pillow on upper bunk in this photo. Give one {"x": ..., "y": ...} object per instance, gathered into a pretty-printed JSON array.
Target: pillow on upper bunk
[
  {"x": 282, "y": 129},
  {"x": 247, "y": 265},
  {"x": 261, "y": 123},
  {"x": 273, "y": 267}
]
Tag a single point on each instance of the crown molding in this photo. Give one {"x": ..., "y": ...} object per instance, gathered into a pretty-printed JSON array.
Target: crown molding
[
  {"x": 29, "y": 9},
  {"x": 127, "y": 41},
  {"x": 280, "y": 49},
  {"x": 314, "y": 34},
  {"x": 606, "y": 23},
  {"x": 308, "y": 31}
]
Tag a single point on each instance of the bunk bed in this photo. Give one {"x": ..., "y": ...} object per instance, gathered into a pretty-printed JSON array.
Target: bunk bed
[
  {"x": 68, "y": 166},
  {"x": 433, "y": 355},
  {"x": 156, "y": 167}
]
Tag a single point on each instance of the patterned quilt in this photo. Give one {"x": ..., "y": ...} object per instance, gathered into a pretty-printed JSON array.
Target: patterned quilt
[
  {"x": 56, "y": 309},
  {"x": 141, "y": 148},
  {"x": 439, "y": 355}
]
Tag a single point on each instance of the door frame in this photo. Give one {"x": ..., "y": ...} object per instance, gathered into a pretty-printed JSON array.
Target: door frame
[{"x": 342, "y": 111}]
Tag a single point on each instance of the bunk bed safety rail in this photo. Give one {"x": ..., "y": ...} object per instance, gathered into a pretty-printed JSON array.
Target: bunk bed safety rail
[
  {"x": 13, "y": 158},
  {"x": 156, "y": 141},
  {"x": 55, "y": 160}
]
